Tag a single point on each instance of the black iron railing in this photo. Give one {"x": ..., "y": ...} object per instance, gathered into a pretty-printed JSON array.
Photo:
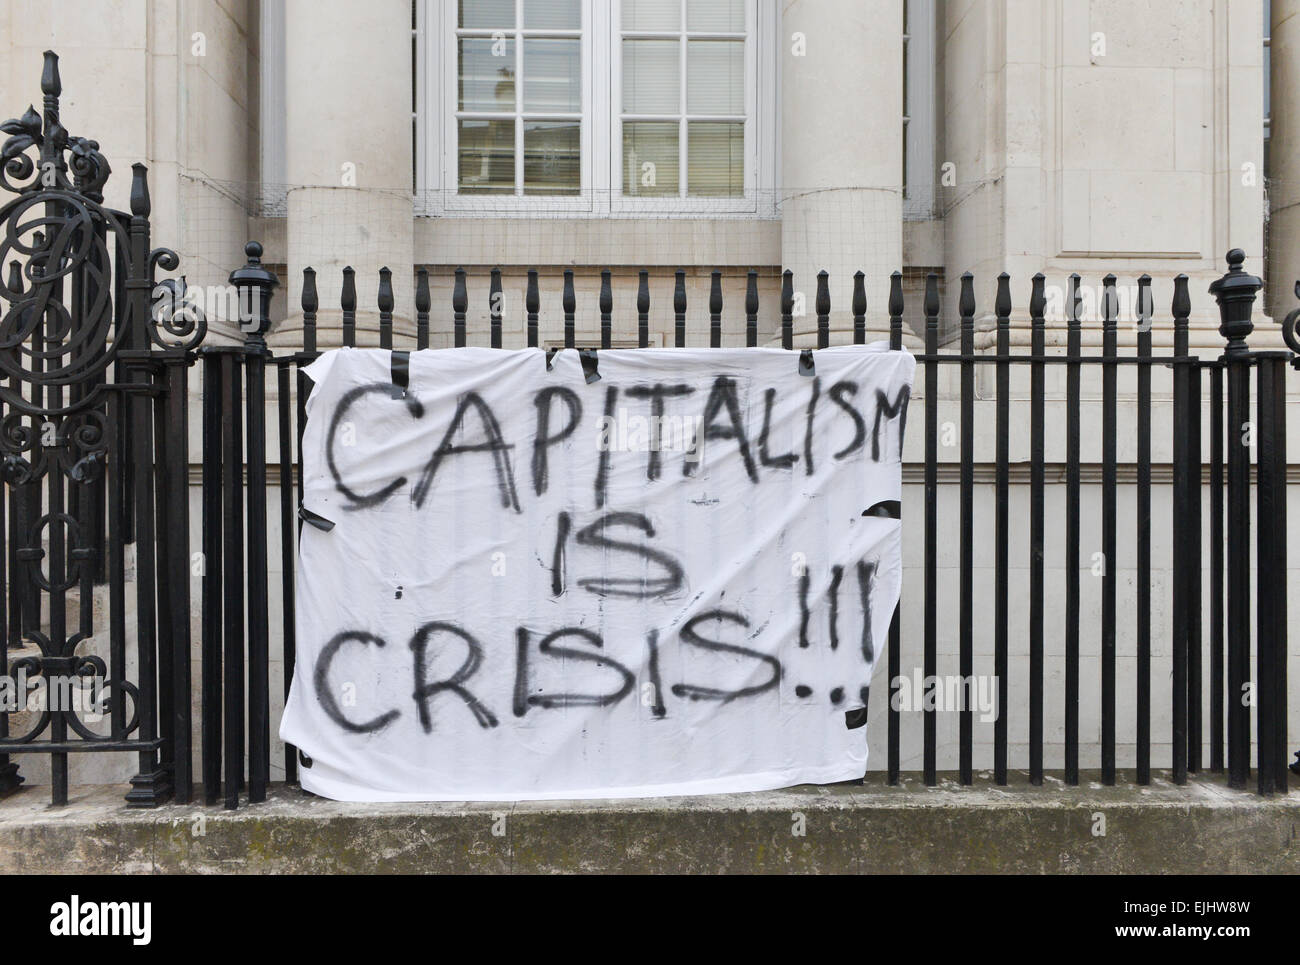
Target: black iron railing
[
  {"x": 93, "y": 440},
  {"x": 1229, "y": 621}
]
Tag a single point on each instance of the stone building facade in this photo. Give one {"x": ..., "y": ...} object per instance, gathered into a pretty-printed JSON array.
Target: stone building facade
[{"x": 1059, "y": 136}]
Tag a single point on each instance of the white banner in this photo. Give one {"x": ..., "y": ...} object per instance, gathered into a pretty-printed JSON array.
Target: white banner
[{"x": 644, "y": 572}]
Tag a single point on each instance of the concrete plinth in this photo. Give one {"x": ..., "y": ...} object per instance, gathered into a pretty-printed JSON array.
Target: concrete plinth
[{"x": 869, "y": 828}]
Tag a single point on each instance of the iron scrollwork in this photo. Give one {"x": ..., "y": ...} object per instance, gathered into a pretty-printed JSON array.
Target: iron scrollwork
[
  {"x": 1291, "y": 331},
  {"x": 84, "y": 337}
]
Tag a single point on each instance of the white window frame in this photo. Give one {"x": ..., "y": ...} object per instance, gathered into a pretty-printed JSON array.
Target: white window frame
[
  {"x": 748, "y": 202},
  {"x": 436, "y": 112}
]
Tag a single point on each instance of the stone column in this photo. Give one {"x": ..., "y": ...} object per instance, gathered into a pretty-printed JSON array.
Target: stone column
[
  {"x": 349, "y": 158},
  {"x": 842, "y": 153},
  {"x": 1283, "y": 268}
]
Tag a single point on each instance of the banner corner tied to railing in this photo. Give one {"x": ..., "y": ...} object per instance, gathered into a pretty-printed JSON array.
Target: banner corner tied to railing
[{"x": 674, "y": 577}]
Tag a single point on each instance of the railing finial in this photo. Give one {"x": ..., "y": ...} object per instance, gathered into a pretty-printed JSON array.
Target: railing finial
[
  {"x": 255, "y": 284},
  {"x": 1235, "y": 292},
  {"x": 140, "y": 204}
]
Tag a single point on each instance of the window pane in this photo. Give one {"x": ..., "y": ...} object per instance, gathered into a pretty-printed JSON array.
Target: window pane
[
  {"x": 486, "y": 157},
  {"x": 552, "y": 14},
  {"x": 487, "y": 13},
  {"x": 652, "y": 15},
  {"x": 650, "y": 158},
  {"x": 715, "y": 77},
  {"x": 553, "y": 76},
  {"x": 723, "y": 16},
  {"x": 715, "y": 154},
  {"x": 552, "y": 157},
  {"x": 487, "y": 74},
  {"x": 651, "y": 77}
]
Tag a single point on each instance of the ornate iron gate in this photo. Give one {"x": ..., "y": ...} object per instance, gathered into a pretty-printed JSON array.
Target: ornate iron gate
[{"x": 93, "y": 441}]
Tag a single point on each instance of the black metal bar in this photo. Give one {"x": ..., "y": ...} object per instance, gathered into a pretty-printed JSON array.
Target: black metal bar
[
  {"x": 895, "y": 629},
  {"x": 1143, "y": 534},
  {"x": 27, "y": 500},
  {"x": 1238, "y": 571},
  {"x": 1193, "y": 552},
  {"x": 495, "y": 305},
  {"x": 1235, "y": 294},
  {"x": 163, "y": 568},
  {"x": 643, "y": 309},
  {"x": 955, "y": 357},
  {"x": 1002, "y": 526},
  {"x": 715, "y": 310},
  {"x": 422, "y": 305},
  {"x": 260, "y": 283},
  {"x": 931, "y": 658},
  {"x": 28, "y": 496},
  {"x": 787, "y": 309},
  {"x": 1277, "y": 574},
  {"x": 259, "y": 689},
  {"x": 385, "y": 304},
  {"x": 150, "y": 786},
  {"x": 1271, "y": 570},
  {"x": 1037, "y": 305},
  {"x": 1183, "y": 494},
  {"x": 459, "y": 303},
  {"x": 117, "y": 506},
  {"x": 606, "y": 310},
  {"x": 1073, "y": 350},
  {"x": 309, "y": 307},
  {"x": 1109, "y": 527},
  {"x": 86, "y": 747},
  {"x": 16, "y": 569},
  {"x": 751, "y": 309},
  {"x": 1216, "y": 568},
  {"x": 232, "y": 457},
  {"x": 823, "y": 307},
  {"x": 46, "y": 338},
  {"x": 348, "y": 303},
  {"x": 570, "y": 303},
  {"x": 859, "y": 306},
  {"x": 679, "y": 309},
  {"x": 288, "y": 519},
  {"x": 176, "y": 539},
  {"x": 9, "y": 777},
  {"x": 532, "y": 303},
  {"x": 310, "y": 304},
  {"x": 122, "y": 333},
  {"x": 966, "y": 533}
]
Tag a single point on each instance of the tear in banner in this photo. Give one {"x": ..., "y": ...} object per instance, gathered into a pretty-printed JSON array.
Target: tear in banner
[{"x": 674, "y": 578}]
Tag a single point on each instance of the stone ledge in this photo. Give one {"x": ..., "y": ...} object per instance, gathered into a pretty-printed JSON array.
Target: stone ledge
[{"x": 869, "y": 828}]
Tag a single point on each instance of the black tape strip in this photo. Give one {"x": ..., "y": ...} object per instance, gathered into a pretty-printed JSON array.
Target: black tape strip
[
  {"x": 886, "y": 509},
  {"x": 806, "y": 366},
  {"x": 315, "y": 519},
  {"x": 853, "y": 719},
  {"x": 400, "y": 367},
  {"x": 590, "y": 365}
]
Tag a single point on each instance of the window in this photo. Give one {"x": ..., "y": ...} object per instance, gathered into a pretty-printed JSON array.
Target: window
[
  {"x": 683, "y": 98},
  {"x": 519, "y": 97},
  {"x": 596, "y": 106}
]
